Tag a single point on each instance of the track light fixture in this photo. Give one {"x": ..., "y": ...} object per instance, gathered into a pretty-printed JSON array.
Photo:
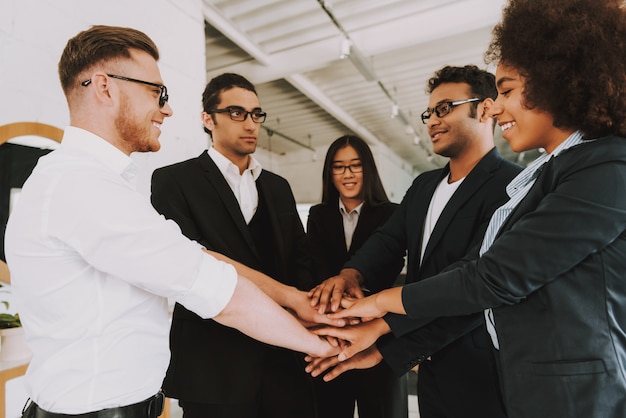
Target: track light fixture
[{"x": 346, "y": 45}]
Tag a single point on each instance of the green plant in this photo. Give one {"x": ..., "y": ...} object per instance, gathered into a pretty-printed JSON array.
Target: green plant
[{"x": 8, "y": 320}]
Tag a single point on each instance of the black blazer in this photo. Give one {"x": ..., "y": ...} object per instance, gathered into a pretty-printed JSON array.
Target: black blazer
[
  {"x": 212, "y": 363},
  {"x": 556, "y": 279},
  {"x": 460, "y": 227},
  {"x": 327, "y": 238}
]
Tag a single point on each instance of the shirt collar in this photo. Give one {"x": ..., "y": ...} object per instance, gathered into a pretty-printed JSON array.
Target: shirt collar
[
  {"x": 357, "y": 210},
  {"x": 81, "y": 140},
  {"x": 531, "y": 171},
  {"x": 225, "y": 165}
]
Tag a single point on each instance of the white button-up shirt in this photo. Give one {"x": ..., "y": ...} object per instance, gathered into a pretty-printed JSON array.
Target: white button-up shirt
[
  {"x": 350, "y": 221},
  {"x": 243, "y": 185},
  {"x": 92, "y": 265}
]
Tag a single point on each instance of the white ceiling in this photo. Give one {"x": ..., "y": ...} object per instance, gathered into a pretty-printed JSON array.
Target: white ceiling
[{"x": 290, "y": 49}]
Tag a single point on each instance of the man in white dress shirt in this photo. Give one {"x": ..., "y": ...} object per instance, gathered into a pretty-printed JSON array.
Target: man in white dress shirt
[{"x": 92, "y": 263}]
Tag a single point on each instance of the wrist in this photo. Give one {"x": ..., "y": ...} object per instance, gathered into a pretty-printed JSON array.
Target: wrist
[
  {"x": 381, "y": 327},
  {"x": 352, "y": 275}
]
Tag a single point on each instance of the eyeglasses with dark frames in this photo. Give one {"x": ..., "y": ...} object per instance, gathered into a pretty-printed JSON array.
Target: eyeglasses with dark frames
[
  {"x": 163, "y": 97},
  {"x": 340, "y": 169},
  {"x": 442, "y": 109},
  {"x": 239, "y": 114}
]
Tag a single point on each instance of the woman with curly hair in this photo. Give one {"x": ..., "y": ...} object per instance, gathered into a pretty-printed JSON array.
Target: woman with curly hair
[{"x": 551, "y": 271}]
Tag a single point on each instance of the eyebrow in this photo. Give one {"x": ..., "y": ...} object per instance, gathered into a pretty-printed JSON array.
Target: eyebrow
[
  {"x": 241, "y": 107},
  {"x": 503, "y": 80},
  {"x": 352, "y": 159}
]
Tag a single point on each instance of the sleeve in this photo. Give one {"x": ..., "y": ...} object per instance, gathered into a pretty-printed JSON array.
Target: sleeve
[
  {"x": 383, "y": 252},
  {"x": 168, "y": 199},
  {"x": 583, "y": 211},
  {"x": 404, "y": 352},
  {"x": 117, "y": 231}
]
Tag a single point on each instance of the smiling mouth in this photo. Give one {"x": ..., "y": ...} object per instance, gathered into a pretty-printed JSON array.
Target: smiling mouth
[
  {"x": 436, "y": 135},
  {"x": 506, "y": 126},
  {"x": 156, "y": 125}
]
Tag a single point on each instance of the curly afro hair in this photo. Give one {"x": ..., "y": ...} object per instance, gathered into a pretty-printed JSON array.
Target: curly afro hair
[{"x": 572, "y": 54}]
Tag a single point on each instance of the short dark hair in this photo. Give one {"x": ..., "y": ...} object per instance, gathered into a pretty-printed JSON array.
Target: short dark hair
[
  {"x": 373, "y": 191},
  {"x": 212, "y": 94},
  {"x": 97, "y": 44},
  {"x": 482, "y": 83},
  {"x": 572, "y": 55}
]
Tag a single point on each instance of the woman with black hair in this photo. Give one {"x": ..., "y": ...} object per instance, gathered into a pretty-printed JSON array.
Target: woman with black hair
[{"x": 354, "y": 204}]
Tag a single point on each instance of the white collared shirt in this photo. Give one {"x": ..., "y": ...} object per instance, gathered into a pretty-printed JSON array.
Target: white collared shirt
[
  {"x": 350, "y": 221},
  {"x": 243, "y": 185},
  {"x": 92, "y": 265},
  {"x": 517, "y": 190}
]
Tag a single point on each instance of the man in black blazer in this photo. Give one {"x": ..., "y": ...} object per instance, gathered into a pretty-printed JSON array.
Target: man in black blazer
[
  {"x": 442, "y": 216},
  {"x": 226, "y": 202}
]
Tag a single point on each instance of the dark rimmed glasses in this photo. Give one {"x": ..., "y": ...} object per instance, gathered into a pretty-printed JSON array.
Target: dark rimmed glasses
[
  {"x": 444, "y": 108},
  {"x": 163, "y": 96},
  {"x": 340, "y": 169},
  {"x": 239, "y": 114}
]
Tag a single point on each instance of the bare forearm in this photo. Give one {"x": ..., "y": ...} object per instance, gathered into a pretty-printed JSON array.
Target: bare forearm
[
  {"x": 277, "y": 291},
  {"x": 252, "y": 312},
  {"x": 390, "y": 300}
]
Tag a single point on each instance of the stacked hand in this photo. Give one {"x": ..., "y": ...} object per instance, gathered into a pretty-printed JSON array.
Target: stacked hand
[{"x": 340, "y": 298}]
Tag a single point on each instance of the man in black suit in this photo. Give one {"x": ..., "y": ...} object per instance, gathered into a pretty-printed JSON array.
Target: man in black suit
[
  {"x": 224, "y": 200},
  {"x": 442, "y": 216}
]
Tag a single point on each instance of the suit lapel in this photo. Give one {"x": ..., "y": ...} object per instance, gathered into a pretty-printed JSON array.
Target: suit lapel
[
  {"x": 225, "y": 194},
  {"x": 475, "y": 179},
  {"x": 265, "y": 198},
  {"x": 365, "y": 217}
]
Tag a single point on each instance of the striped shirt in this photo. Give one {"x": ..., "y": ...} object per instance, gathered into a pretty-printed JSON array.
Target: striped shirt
[{"x": 517, "y": 190}]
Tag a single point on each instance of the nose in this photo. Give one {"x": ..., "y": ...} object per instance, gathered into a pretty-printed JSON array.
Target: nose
[
  {"x": 166, "y": 110},
  {"x": 433, "y": 120},
  {"x": 347, "y": 173},
  {"x": 248, "y": 123}
]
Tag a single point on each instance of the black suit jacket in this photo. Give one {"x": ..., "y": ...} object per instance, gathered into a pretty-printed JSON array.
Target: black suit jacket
[
  {"x": 212, "y": 363},
  {"x": 327, "y": 238},
  {"x": 460, "y": 227},
  {"x": 556, "y": 279}
]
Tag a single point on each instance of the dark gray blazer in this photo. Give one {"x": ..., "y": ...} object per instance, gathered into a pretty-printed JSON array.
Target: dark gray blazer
[{"x": 556, "y": 278}]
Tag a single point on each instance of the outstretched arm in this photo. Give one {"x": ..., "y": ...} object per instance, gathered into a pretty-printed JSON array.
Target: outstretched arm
[
  {"x": 252, "y": 312},
  {"x": 286, "y": 296},
  {"x": 375, "y": 306}
]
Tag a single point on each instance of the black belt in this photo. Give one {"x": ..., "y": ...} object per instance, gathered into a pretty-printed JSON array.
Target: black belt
[{"x": 150, "y": 408}]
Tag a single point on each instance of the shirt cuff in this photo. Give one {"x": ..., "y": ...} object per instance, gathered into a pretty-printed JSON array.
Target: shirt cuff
[{"x": 213, "y": 288}]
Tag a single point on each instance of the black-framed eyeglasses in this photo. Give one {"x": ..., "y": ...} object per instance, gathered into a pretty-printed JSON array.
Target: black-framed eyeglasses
[
  {"x": 163, "y": 97},
  {"x": 239, "y": 114},
  {"x": 444, "y": 108},
  {"x": 340, "y": 169}
]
